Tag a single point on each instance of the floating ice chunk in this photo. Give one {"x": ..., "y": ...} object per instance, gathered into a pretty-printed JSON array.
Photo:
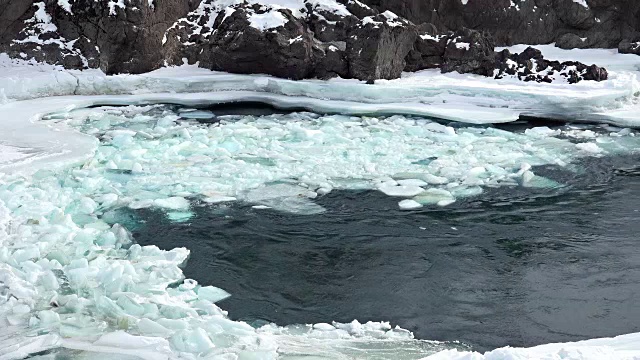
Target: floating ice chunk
[
  {"x": 197, "y": 114},
  {"x": 400, "y": 190},
  {"x": 192, "y": 341},
  {"x": 446, "y": 202},
  {"x": 172, "y": 203},
  {"x": 324, "y": 327},
  {"x": 434, "y": 196},
  {"x": 412, "y": 182},
  {"x": 589, "y": 148},
  {"x": 212, "y": 294},
  {"x": 527, "y": 176},
  {"x": 108, "y": 199},
  {"x": 294, "y": 205},
  {"x": 409, "y": 204},
  {"x": 465, "y": 191},
  {"x": 141, "y": 204},
  {"x": 284, "y": 197},
  {"x": 180, "y": 216},
  {"x": 542, "y": 131},
  {"x": 216, "y": 199}
]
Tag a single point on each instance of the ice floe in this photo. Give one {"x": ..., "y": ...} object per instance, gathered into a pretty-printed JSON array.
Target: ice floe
[
  {"x": 149, "y": 157},
  {"x": 74, "y": 283}
]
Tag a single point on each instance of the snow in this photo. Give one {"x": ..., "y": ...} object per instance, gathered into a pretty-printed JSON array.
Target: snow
[
  {"x": 582, "y": 2},
  {"x": 112, "y": 6},
  {"x": 201, "y": 20},
  {"x": 10, "y": 154},
  {"x": 267, "y": 21},
  {"x": 624, "y": 347},
  {"x": 431, "y": 37},
  {"x": 40, "y": 25},
  {"x": 65, "y": 5},
  {"x": 129, "y": 301}
]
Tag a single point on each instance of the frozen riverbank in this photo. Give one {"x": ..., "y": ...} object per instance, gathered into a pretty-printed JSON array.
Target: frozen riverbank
[{"x": 66, "y": 278}]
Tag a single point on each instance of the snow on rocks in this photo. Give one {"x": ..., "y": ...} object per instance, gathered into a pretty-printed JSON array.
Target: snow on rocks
[
  {"x": 470, "y": 51},
  {"x": 530, "y": 65},
  {"x": 40, "y": 38},
  {"x": 293, "y": 39}
]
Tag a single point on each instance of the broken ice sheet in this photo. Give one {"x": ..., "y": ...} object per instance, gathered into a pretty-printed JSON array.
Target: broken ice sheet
[
  {"x": 68, "y": 268},
  {"x": 285, "y": 161}
]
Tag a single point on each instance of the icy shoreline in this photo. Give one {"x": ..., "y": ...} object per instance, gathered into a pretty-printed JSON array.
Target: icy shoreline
[
  {"x": 41, "y": 90},
  {"x": 450, "y": 97}
]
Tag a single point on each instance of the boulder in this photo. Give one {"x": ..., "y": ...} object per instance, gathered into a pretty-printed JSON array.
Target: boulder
[
  {"x": 332, "y": 61},
  {"x": 629, "y": 47},
  {"x": 259, "y": 39},
  {"x": 378, "y": 45},
  {"x": 571, "y": 41},
  {"x": 530, "y": 65},
  {"x": 428, "y": 50},
  {"x": 469, "y": 51}
]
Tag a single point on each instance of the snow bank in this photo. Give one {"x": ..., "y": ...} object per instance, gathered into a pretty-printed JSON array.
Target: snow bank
[
  {"x": 624, "y": 347},
  {"x": 464, "y": 98}
]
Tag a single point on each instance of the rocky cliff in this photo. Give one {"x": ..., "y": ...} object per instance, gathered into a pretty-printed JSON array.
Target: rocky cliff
[
  {"x": 369, "y": 40},
  {"x": 568, "y": 23}
]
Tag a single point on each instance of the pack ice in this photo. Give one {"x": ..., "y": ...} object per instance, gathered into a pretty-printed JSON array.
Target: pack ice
[{"x": 73, "y": 283}]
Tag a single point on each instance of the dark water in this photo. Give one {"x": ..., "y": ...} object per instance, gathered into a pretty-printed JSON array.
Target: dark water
[{"x": 515, "y": 266}]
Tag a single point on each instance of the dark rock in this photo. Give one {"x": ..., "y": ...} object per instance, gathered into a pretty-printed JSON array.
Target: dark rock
[
  {"x": 359, "y": 9},
  {"x": 469, "y": 51},
  {"x": 378, "y": 45},
  {"x": 428, "y": 50},
  {"x": 236, "y": 46},
  {"x": 571, "y": 41},
  {"x": 332, "y": 63},
  {"x": 629, "y": 47},
  {"x": 91, "y": 34},
  {"x": 604, "y": 22},
  {"x": 368, "y": 42},
  {"x": 595, "y": 73},
  {"x": 530, "y": 65}
]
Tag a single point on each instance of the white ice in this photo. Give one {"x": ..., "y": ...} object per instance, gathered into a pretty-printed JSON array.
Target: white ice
[{"x": 72, "y": 281}]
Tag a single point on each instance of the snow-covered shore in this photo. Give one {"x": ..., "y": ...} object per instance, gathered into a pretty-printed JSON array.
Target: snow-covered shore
[
  {"x": 454, "y": 97},
  {"x": 29, "y": 92}
]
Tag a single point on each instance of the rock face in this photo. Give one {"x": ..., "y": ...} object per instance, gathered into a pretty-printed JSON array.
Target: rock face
[
  {"x": 472, "y": 52},
  {"x": 530, "y": 65},
  {"x": 88, "y": 33},
  {"x": 469, "y": 51},
  {"x": 316, "y": 42},
  {"x": 629, "y": 47},
  {"x": 237, "y": 46},
  {"x": 595, "y": 23},
  {"x": 378, "y": 45},
  {"x": 315, "y": 38}
]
